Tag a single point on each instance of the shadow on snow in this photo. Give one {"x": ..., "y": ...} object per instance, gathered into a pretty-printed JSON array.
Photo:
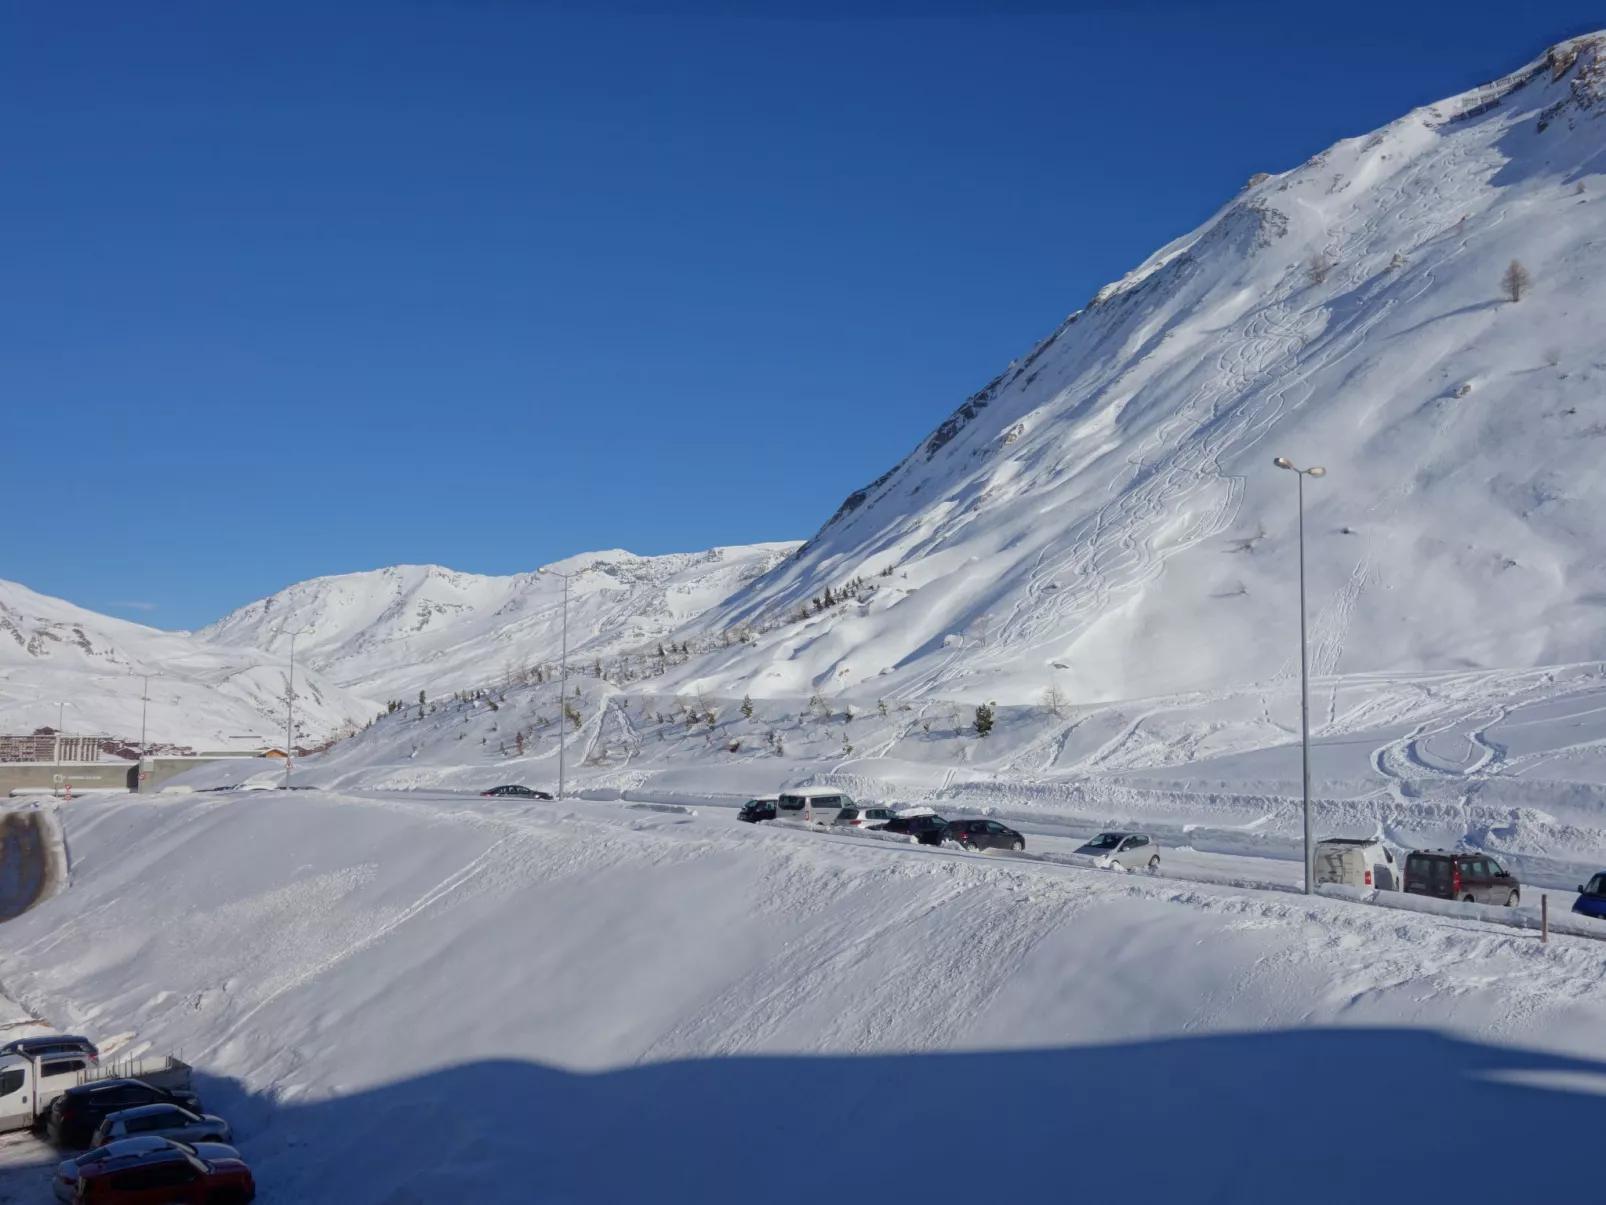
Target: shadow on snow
[{"x": 1321, "y": 1115}]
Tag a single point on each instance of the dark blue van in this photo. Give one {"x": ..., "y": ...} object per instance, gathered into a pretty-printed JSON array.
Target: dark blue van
[{"x": 1592, "y": 898}]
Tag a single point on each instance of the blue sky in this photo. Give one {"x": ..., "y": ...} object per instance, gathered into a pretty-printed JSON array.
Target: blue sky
[{"x": 295, "y": 289}]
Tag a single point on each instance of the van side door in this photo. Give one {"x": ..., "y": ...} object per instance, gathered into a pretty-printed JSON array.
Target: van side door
[{"x": 16, "y": 1098}]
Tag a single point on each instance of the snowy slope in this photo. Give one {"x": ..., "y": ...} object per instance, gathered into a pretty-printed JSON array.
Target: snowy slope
[
  {"x": 207, "y": 695},
  {"x": 365, "y": 638},
  {"x": 448, "y": 999},
  {"x": 391, "y": 632},
  {"x": 1105, "y": 515}
]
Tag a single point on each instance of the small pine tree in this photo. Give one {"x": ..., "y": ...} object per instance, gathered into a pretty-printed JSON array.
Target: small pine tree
[
  {"x": 574, "y": 716},
  {"x": 984, "y": 719},
  {"x": 881, "y": 706},
  {"x": 747, "y": 707},
  {"x": 1515, "y": 281},
  {"x": 1321, "y": 267},
  {"x": 420, "y": 699}
]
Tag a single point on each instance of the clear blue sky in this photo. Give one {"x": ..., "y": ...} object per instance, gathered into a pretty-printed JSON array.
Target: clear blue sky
[{"x": 293, "y": 289}]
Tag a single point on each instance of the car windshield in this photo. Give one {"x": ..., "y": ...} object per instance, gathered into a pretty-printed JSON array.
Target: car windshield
[
  {"x": 1105, "y": 841},
  {"x": 1597, "y": 885}
]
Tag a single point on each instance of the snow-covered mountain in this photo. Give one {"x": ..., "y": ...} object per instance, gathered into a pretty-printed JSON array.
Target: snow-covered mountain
[
  {"x": 362, "y": 638},
  {"x": 392, "y": 632},
  {"x": 1105, "y": 516},
  {"x": 206, "y": 695}
]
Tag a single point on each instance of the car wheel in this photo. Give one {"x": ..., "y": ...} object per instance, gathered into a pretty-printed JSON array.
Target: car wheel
[
  {"x": 1512, "y": 900},
  {"x": 1154, "y": 862},
  {"x": 1018, "y": 846},
  {"x": 1469, "y": 900}
]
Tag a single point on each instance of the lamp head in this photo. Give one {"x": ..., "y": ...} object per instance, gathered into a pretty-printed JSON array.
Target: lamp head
[
  {"x": 1318, "y": 471},
  {"x": 1283, "y": 462}
]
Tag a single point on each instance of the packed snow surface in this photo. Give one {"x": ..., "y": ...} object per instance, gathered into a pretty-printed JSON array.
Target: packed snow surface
[{"x": 402, "y": 999}]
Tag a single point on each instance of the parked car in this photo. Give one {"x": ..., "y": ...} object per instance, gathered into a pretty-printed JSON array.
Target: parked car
[
  {"x": 926, "y": 829},
  {"x": 754, "y": 810},
  {"x": 812, "y": 805},
  {"x": 66, "y": 1181},
  {"x": 76, "y": 1114},
  {"x": 1469, "y": 877},
  {"x": 165, "y": 1121},
  {"x": 517, "y": 791},
  {"x": 1591, "y": 899},
  {"x": 859, "y": 816},
  {"x": 1357, "y": 862},
  {"x": 52, "y": 1044},
  {"x": 1123, "y": 851},
  {"x": 983, "y": 834},
  {"x": 173, "y": 1176}
]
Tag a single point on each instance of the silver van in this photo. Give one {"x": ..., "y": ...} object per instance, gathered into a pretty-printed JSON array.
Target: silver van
[{"x": 812, "y": 805}]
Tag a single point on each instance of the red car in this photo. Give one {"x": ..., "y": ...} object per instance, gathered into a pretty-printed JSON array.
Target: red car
[{"x": 166, "y": 1177}]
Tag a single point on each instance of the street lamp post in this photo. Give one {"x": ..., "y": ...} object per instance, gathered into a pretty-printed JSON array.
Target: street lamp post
[
  {"x": 290, "y": 707},
  {"x": 61, "y": 714},
  {"x": 563, "y": 665},
  {"x": 144, "y": 702},
  {"x": 1282, "y": 462}
]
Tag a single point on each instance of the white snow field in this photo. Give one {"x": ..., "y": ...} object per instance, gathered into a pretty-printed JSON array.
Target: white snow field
[{"x": 437, "y": 998}]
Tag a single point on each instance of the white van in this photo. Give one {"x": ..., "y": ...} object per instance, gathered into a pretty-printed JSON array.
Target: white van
[
  {"x": 812, "y": 805},
  {"x": 1357, "y": 862}
]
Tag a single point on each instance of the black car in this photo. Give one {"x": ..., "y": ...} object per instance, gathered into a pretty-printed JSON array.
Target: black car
[
  {"x": 518, "y": 791},
  {"x": 755, "y": 810},
  {"x": 76, "y": 1114},
  {"x": 926, "y": 830},
  {"x": 984, "y": 834}
]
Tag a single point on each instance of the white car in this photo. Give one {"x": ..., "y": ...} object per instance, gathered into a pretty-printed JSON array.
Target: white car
[
  {"x": 860, "y": 816},
  {"x": 131, "y": 1150},
  {"x": 1363, "y": 862},
  {"x": 1123, "y": 851},
  {"x": 162, "y": 1121}
]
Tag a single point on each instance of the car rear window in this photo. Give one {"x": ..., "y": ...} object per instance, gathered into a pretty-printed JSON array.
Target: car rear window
[
  {"x": 848, "y": 814},
  {"x": 791, "y": 803},
  {"x": 1421, "y": 866}
]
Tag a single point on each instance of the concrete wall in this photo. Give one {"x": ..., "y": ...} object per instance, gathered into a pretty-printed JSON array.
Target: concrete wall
[
  {"x": 32, "y": 775},
  {"x": 95, "y": 775}
]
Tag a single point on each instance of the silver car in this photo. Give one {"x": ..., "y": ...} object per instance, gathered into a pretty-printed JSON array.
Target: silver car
[
  {"x": 163, "y": 1121},
  {"x": 128, "y": 1152},
  {"x": 1123, "y": 851}
]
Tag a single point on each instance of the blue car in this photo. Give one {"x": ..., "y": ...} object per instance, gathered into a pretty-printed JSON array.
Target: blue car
[{"x": 1592, "y": 898}]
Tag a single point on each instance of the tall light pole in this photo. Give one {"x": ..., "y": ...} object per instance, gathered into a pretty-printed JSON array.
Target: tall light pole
[
  {"x": 563, "y": 665},
  {"x": 290, "y": 707},
  {"x": 1282, "y": 462},
  {"x": 61, "y": 713},
  {"x": 144, "y": 702}
]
